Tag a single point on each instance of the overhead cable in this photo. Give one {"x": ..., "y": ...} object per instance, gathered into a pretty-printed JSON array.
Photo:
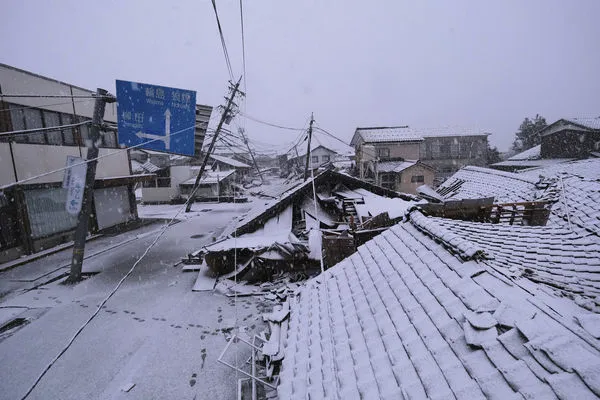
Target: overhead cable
[
  {"x": 225, "y": 52},
  {"x": 271, "y": 124}
]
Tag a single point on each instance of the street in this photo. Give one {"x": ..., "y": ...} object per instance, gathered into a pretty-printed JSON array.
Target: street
[{"x": 154, "y": 333}]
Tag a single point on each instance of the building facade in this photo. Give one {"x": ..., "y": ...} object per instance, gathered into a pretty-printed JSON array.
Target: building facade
[
  {"x": 33, "y": 212},
  {"x": 445, "y": 149}
]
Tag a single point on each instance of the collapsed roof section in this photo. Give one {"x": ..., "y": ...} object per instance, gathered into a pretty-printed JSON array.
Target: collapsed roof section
[{"x": 289, "y": 229}]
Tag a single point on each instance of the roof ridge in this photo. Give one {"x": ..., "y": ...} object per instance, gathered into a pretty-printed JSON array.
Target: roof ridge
[{"x": 383, "y": 127}]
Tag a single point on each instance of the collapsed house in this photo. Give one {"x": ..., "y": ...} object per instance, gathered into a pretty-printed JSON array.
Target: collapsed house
[
  {"x": 444, "y": 307},
  {"x": 292, "y": 232}
]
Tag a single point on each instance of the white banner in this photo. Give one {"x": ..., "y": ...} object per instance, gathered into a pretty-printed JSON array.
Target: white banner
[{"x": 74, "y": 182}]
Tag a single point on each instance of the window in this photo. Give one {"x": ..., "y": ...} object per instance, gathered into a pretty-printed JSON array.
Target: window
[
  {"x": 163, "y": 178},
  {"x": 69, "y": 138},
  {"x": 17, "y": 117},
  {"x": 33, "y": 120},
  {"x": 388, "y": 180},
  {"x": 417, "y": 179},
  {"x": 383, "y": 152},
  {"x": 51, "y": 119},
  {"x": 325, "y": 159},
  {"x": 315, "y": 159}
]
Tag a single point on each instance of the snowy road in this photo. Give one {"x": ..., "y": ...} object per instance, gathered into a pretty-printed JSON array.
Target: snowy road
[{"x": 154, "y": 332}]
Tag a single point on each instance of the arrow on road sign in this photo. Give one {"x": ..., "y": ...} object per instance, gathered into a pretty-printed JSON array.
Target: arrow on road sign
[{"x": 166, "y": 138}]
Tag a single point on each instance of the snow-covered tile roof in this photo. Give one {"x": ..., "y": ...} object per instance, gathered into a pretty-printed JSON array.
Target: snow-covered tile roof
[
  {"x": 136, "y": 167},
  {"x": 533, "y": 153},
  {"x": 403, "y": 318},
  {"x": 209, "y": 177},
  {"x": 531, "y": 163},
  {"x": 389, "y": 134},
  {"x": 395, "y": 166},
  {"x": 477, "y": 182},
  {"x": 229, "y": 161},
  {"x": 148, "y": 166},
  {"x": 576, "y": 204},
  {"x": 557, "y": 256},
  {"x": 588, "y": 169},
  {"x": 591, "y": 123}
]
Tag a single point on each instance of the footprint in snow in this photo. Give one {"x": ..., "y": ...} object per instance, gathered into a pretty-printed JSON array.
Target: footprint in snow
[{"x": 203, "y": 355}]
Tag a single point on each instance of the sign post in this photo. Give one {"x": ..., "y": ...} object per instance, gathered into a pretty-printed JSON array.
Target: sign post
[{"x": 156, "y": 117}]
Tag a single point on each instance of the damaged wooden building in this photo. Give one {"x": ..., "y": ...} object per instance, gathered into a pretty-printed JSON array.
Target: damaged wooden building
[{"x": 308, "y": 227}]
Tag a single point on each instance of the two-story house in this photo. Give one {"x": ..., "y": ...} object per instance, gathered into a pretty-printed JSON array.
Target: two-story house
[{"x": 441, "y": 152}]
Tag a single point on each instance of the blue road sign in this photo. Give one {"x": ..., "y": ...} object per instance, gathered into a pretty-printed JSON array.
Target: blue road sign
[{"x": 163, "y": 118}]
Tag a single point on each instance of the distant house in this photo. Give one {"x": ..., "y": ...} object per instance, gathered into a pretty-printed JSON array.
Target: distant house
[
  {"x": 571, "y": 138},
  {"x": 404, "y": 176},
  {"x": 564, "y": 140},
  {"x": 213, "y": 185},
  {"x": 222, "y": 163},
  {"x": 169, "y": 171},
  {"x": 445, "y": 149},
  {"x": 319, "y": 156}
]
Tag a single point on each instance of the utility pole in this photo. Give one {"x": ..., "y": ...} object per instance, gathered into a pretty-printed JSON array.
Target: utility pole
[
  {"x": 225, "y": 115},
  {"x": 241, "y": 130},
  {"x": 308, "y": 146},
  {"x": 297, "y": 160},
  {"x": 102, "y": 97}
]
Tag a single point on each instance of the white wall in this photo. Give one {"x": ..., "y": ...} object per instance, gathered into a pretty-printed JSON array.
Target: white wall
[
  {"x": 35, "y": 159},
  {"x": 7, "y": 174}
]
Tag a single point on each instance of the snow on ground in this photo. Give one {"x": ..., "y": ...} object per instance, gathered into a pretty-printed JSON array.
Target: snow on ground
[{"x": 155, "y": 332}]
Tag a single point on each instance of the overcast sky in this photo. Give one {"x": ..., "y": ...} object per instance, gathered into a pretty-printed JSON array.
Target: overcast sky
[{"x": 353, "y": 63}]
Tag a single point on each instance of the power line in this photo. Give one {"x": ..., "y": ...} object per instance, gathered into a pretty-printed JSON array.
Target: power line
[
  {"x": 243, "y": 43},
  {"x": 54, "y": 96},
  {"x": 331, "y": 135},
  {"x": 270, "y": 124},
  {"x": 225, "y": 52}
]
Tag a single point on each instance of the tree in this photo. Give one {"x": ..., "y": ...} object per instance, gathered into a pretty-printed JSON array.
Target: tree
[
  {"x": 528, "y": 135},
  {"x": 493, "y": 155}
]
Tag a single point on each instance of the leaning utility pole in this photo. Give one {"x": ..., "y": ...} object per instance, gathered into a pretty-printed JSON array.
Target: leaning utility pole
[
  {"x": 102, "y": 97},
  {"x": 308, "y": 146},
  {"x": 188, "y": 207},
  {"x": 241, "y": 130}
]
